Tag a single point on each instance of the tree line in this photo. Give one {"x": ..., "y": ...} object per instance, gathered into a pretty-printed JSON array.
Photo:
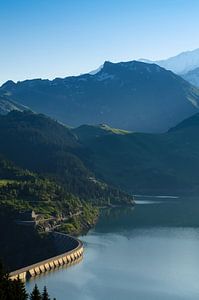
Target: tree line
[{"x": 15, "y": 289}]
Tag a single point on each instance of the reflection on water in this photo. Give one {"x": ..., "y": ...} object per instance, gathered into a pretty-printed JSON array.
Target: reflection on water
[
  {"x": 51, "y": 272},
  {"x": 160, "y": 196},
  {"x": 147, "y": 202},
  {"x": 150, "y": 252}
]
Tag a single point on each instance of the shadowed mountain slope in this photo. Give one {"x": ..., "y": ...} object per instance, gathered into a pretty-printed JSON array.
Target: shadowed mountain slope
[
  {"x": 7, "y": 105},
  {"x": 192, "y": 77},
  {"x": 149, "y": 163},
  {"x": 44, "y": 146},
  {"x": 128, "y": 95}
]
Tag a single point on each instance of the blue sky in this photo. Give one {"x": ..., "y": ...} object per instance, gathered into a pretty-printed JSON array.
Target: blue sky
[{"x": 57, "y": 38}]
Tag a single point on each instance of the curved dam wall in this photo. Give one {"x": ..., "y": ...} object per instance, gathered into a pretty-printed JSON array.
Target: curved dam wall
[{"x": 63, "y": 242}]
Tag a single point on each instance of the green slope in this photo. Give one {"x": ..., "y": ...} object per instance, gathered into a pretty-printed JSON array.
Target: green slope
[
  {"x": 150, "y": 163},
  {"x": 88, "y": 132},
  {"x": 41, "y": 169},
  {"x": 43, "y": 146}
]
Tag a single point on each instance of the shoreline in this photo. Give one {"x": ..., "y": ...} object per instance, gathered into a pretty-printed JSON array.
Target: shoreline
[{"x": 65, "y": 258}]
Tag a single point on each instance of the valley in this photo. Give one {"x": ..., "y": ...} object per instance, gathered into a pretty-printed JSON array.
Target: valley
[
  {"x": 99, "y": 150},
  {"x": 42, "y": 174},
  {"x": 63, "y": 175}
]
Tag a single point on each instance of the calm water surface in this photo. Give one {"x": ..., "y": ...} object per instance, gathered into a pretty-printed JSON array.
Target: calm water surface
[{"x": 150, "y": 252}]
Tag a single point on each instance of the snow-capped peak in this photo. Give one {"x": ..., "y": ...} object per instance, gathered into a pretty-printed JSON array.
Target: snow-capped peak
[{"x": 179, "y": 64}]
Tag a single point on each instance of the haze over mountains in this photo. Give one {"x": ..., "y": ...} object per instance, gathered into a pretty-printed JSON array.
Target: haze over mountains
[
  {"x": 7, "y": 105},
  {"x": 179, "y": 64},
  {"x": 185, "y": 64},
  {"x": 192, "y": 77},
  {"x": 129, "y": 95}
]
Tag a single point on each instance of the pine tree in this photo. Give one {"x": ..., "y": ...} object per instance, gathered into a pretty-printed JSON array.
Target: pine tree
[
  {"x": 19, "y": 291},
  {"x": 45, "y": 295},
  {"x": 11, "y": 289},
  {"x": 35, "y": 295}
]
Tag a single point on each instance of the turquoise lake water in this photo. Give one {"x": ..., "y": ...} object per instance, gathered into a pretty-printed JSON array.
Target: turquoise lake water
[{"x": 149, "y": 252}]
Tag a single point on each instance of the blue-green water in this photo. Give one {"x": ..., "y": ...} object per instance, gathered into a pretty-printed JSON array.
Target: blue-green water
[{"x": 150, "y": 252}]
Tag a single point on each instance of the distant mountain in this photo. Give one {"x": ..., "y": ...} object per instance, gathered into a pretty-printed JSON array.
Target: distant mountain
[
  {"x": 165, "y": 163},
  {"x": 129, "y": 95},
  {"x": 192, "y": 77},
  {"x": 179, "y": 64},
  {"x": 7, "y": 105},
  {"x": 190, "y": 125},
  {"x": 96, "y": 70}
]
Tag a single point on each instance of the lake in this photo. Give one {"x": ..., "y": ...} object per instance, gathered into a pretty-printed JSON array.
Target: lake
[{"x": 147, "y": 252}]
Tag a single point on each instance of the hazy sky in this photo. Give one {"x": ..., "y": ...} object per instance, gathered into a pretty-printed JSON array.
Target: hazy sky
[{"x": 56, "y": 38}]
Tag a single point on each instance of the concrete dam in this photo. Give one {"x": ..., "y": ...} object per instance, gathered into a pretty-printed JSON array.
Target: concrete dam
[{"x": 66, "y": 258}]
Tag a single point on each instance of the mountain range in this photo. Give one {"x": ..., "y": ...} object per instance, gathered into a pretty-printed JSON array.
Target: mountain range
[
  {"x": 7, "y": 105},
  {"x": 192, "y": 77},
  {"x": 61, "y": 172},
  {"x": 141, "y": 163},
  {"x": 179, "y": 64},
  {"x": 185, "y": 64},
  {"x": 129, "y": 95},
  {"x": 97, "y": 162}
]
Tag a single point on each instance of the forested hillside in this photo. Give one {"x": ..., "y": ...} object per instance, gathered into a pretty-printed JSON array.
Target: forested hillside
[
  {"x": 165, "y": 163},
  {"x": 41, "y": 171}
]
